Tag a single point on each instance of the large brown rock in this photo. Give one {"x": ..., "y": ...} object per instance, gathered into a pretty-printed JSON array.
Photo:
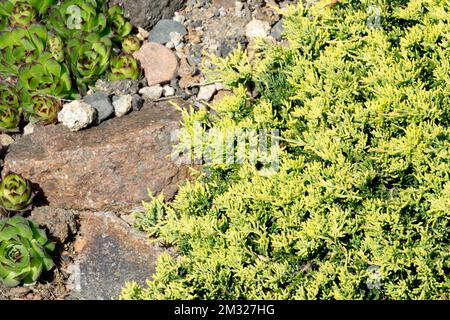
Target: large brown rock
[
  {"x": 146, "y": 13},
  {"x": 108, "y": 167}
]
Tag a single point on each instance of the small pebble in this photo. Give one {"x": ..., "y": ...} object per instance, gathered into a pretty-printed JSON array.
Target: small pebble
[
  {"x": 207, "y": 92},
  {"x": 179, "y": 18},
  {"x": 176, "y": 38},
  {"x": 6, "y": 140},
  {"x": 28, "y": 129},
  {"x": 257, "y": 28},
  {"x": 277, "y": 30},
  {"x": 161, "y": 31},
  {"x": 152, "y": 93},
  {"x": 170, "y": 45},
  {"x": 222, "y": 12},
  {"x": 239, "y": 8},
  {"x": 123, "y": 105},
  {"x": 142, "y": 34},
  {"x": 168, "y": 91}
]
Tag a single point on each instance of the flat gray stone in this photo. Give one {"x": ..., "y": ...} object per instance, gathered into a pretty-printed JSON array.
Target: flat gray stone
[
  {"x": 110, "y": 254},
  {"x": 277, "y": 30},
  {"x": 161, "y": 32},
  {"x": 101, "y": 102}
]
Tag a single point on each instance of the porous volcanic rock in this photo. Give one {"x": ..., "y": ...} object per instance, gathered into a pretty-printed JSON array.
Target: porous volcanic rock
[
  {"x": 105, "y": 168},
  {"x": 146, "y": 13}
]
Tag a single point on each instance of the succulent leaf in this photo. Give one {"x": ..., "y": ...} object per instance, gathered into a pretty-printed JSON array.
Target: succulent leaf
[
  {"x": 56, "y": 47},
  {"x": 42, "y": 6},
  {"x": 3, "y": 22}
]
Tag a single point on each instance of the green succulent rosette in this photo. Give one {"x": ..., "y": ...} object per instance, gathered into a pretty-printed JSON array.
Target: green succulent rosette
[
  {"x": 8, "y": 95},
  {"x": 124, "y": 66},
  {"x": 9, "y": 118},
  {"x": 24, "y": 252},
  {"x": 119, "y": 27},
  {"x": 22, "y": 15},
  {"x": 46, "y": 76},
  {"x": 39, "y": 6},
  {"x": 42, "y": 109},
  {"x": 20, "y": 46},
  {"x": 73, "y": 16},
  {"x": 131, "y": 44},
  {"x": 9, "y": 108},
  {"x": 15, "y": 193},
  {"x": 89, "y": 58}
]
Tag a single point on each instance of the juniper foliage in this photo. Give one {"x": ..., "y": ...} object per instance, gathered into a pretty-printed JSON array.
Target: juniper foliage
[{"x": 364, "y": 182}]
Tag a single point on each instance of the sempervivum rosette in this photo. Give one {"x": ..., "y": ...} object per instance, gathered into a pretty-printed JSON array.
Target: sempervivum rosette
[
  {"x": 9, "y": 118},
  {"x": 22, "y": 14},
  {"x": 131, "y": 44},
  {"x": 42, "y": 109},
  {"x": 20, "y": 46},
  {"x": 119, "y": 27},
  {"x": 24, "y": 252},
  {"x": 72, "y": 16},
  {"x": 124, "y": 66},
  {"x": 89, "y": 58},
  {"x": 16, "y": 193},
  {"x": 9, "y": 108},
  {"x": 45, "y": 76}
]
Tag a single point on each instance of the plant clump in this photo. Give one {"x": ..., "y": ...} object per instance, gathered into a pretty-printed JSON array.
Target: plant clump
[
  {"x": 53, "y": 50},
  {"x": 24, "y": 252},
  {"x": 359, "y": 207}
]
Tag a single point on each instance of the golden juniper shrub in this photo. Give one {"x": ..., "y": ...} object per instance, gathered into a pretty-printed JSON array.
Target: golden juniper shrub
[{"x": 360, "y": 207}]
